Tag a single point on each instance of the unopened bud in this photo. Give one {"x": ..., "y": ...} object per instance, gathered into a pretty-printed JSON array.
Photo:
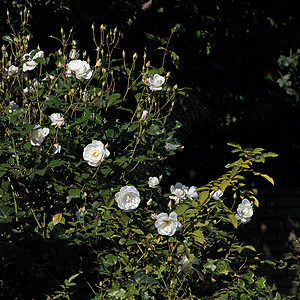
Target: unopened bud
[
  {"x": 123, "y": 53},
  {"x": 60, "y": 65},
  {"x": 102, "y": 27},
  {"x": 59, "y": 52},
  {"x": 93, "y": 26},
  {"x": 149, "y": 202},
  {"x": 148, "y": 64},
  {"x": 134, "y": 56},
  {"x": 83, "y": 97},
  {"x": 170, "y": 204},
  {"x": 73, "y": 54},
  {"x": 144, "y": 115},
  {"x": 168, "y": 74},
  {"x": 74, "y": 43},
  {"x": 98, "y": 63},
  {"x": 175, "y": 87}
]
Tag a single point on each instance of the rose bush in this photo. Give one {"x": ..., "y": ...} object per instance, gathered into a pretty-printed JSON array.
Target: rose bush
[{"x": 79, "y": 221}]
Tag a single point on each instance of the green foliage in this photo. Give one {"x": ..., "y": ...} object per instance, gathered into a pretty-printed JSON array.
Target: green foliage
[{"x": 61, "y": 227}]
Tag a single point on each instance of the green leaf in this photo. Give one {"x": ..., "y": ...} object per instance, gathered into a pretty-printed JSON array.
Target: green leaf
[
  {"x": 7, "y": 38},
  {"x": 74, "y": 193},
  {"x": 5, "y": 213},
  {"x": 114, "y": 99},
  {"x": 234, "y": 145},
  {"x": 57, "y": 218},
  {"x": 41, "y": 172},
  {"x": 203, "y": 196},
  {"x": 224, "y": 185},
  {"x": 181, "y": 208},
  {"x": 155, "y": 129},
  {"x": 267, "y": 177},
  {"x": 55, "y": 163},
  {"x": 233, "y": 220},
  {"x": 198, "y": 236}
]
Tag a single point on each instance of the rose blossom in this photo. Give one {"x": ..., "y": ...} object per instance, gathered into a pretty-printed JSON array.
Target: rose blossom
[
  {"x": 128, "y": 198},
  {"x": 169, "y": 146},
  {"x": 12, "y": 70},
  {"x": 186, "y": 264},
  {"x": 167, "y": 225},
  {"x": 80, "y": 68},
  {"x": 244, "y": 211},
  {"x": 192, "y": 193},
  {"x": 216, "y": 194},
  {"x": 179, "y": 191},
  {"x": 153, "y": 182},
  {"x": 156, "y": 82},
  {"x": 38, "y": 135},
  {"x": 93, "y": 153},
  {"x": 57, "y": 119},
  {"x": 30, "y": 64}
]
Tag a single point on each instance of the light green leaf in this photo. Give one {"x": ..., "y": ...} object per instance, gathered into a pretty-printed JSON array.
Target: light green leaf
[
  {"x": 233, "y": 220},
  {"x": 56, "y": 218},
  {"x": 203, "y": 196},
  {"x": 74, "y": 193},
  {"x": 224, "y": 185},
  {"x": 198, "y": 236},
  {"x": 181, "y": 208}
]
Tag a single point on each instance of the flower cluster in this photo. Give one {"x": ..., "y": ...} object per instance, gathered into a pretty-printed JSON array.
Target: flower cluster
[
  {"x": 181, "y": 192},
  {"x": 29, "y": 60}
]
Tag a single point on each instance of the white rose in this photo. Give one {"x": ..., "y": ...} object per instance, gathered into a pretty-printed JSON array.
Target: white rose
[
  {"x": 56, "y": 148},
  {"x": 156, "y": 82},
  {"x": 38, "y": 135},
  {"x": 73, "y": 54},
  {"x": 81, "y": 69},
  {"x": 13, "y": 106},
  {"x": 167, "y": 225},
  {"x": 30, "y": 64},
  {"x": 169, "y": 146},
  {"x": 128, "y": 198},
  {"x": 179, "y": 191},
  {"x": 28, "y": 90},
  {"x": 192, "y": 193},
  {"x": 244, "y": 211},
  {"x": 57, "y": 119},
  {"x": 95, "y": 152},
  {"x": 216, "y": 194},
  {"x": 153, "y": 182},
  {"x": 186, "y": 264},
  {"x": 12, "y": 70}
]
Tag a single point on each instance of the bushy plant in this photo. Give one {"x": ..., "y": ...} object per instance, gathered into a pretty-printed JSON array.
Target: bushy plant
[{"x": 83, "y": 212}]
